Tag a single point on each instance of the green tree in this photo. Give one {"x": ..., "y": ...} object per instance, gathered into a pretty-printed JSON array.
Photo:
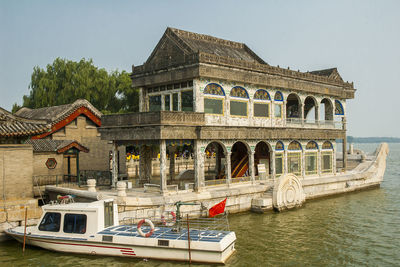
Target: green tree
[{"x": 65, "y": 81}]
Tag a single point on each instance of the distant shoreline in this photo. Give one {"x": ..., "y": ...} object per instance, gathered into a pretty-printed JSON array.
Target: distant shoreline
[{"x": 352, "y": 139}]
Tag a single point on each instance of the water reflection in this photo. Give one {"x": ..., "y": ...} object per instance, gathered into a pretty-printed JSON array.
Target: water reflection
[{"x": 353, "y": 229}]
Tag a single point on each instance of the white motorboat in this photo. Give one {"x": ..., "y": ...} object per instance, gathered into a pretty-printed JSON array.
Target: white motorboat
[{"x": 93, "y": 228}]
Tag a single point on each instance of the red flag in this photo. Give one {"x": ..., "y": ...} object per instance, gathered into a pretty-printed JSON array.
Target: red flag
[{"x": 217, "y": 208}]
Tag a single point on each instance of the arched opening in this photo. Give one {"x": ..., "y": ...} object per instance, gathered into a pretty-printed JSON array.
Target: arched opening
[
  {"x": 214, "y": 97},
  {"x": 239, "y": 99},
  {"x": 239, "y": 160},
  {"x": 278, "y": 105},
  {"x": 338, "y": 108},
  {"x": 326, "y": 110},
  {"x": 214, "y": 164},
  {"x": 327, "y": 157},
  {"x": 279, "y": 150},
  {"x": 310, "y": 110},
  {"x": 311, "y": 157},
  {"x": 294, "y": 158},
  {"x": 293, "y": 112},
  {"x": 262, "y": 155}
]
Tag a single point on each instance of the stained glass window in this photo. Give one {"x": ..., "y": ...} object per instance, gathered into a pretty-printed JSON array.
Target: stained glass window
[
  {"x": 327, "y": 145},
  {"x": 311, "y": 145},
  {"x": 294, "y": 145},
  {"x": 278, "y": 96},
  {"x": 238, "y": 91},
  {"x": 338, "y": 108},
  {"x": 326, "y": 162},
  {"x": 279, "y": 146},
  {"x": 278, "y": 164},
  {"x": 294, "y": 163},
  {"x": 214, "y": 89},
  {"x": 262, "y": 94},
  {"x": 311, "y": 163}
]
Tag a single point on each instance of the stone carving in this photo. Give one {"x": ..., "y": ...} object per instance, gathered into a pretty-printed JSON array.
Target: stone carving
[{"x": 288, "y": 193}]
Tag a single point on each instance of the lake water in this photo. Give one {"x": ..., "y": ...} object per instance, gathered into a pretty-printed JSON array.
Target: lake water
[{"x": 356, "y": 229}]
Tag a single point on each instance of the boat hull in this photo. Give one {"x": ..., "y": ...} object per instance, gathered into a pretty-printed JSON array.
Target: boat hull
[{"x": 125, "y": 250}]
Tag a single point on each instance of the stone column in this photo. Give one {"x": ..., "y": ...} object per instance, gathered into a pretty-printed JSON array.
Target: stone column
[
  {"x": 114, "y": 164},
  {"x": 319, "y": 162},
  {"x": 273, "y": 167},
  {"x": 301, "y": 114},
  {"x": 251, "y": 166},
  {"x": 344, "y": 145},
  {"x": 317, "y": 114},
  {"x": 145, "y": 164},
  {"x": 303, "y": 163},
  {"x": 198, "y": 166},
  {"x": 179, "y": 101},
  {"x": 285, "y": 162},
  {"x": 228, "y": 173},
  {"x": 284, "y": 112},
  {"x": 334, "y": 160},
  {"x": 172, "y": 150},
  {"x": 162, "y": 102},
  {"x": 163, "y": 166}
]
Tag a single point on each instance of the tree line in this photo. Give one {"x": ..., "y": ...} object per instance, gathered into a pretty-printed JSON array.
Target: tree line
[{"x": 65, "y": 81}]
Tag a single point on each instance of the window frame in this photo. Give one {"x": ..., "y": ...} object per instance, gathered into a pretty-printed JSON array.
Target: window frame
[
  {"x": 215, "y": 97},
  {"x": 280, "y": 155},
  {"x": 75, "y": 214},
  {"x": 59, "y": 223},
  {"x": 183, "y": 91},
  {"x": 239, "y": 99}
]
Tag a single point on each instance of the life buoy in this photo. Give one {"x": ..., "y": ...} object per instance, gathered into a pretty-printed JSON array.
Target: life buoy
[
  {"x": 139, "y": 227},
  {"x": 164, "y": 222}
]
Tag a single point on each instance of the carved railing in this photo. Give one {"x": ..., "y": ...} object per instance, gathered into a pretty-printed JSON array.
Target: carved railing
[{"x": 154, "y": 118}]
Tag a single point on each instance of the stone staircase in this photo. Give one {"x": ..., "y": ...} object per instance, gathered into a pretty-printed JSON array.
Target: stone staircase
[{"x": 263, "y": 203}]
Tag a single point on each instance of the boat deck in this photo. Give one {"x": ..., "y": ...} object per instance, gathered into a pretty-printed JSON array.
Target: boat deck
[{"x": 167, "y": 233}]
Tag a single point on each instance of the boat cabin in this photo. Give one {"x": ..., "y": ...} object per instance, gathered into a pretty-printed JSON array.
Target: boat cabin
[{"x": 78, "y": 219}]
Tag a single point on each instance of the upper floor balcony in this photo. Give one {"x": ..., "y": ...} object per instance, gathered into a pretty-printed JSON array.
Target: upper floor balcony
[{"x": 190, "y": 119}]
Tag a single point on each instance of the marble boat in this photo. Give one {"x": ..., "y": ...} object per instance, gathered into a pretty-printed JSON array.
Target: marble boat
[{"x": 93, "y": 228}]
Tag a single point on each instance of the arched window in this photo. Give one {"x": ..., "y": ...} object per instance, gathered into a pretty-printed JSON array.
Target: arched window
[
  {"x": 338, "y": 108},
  {"x": 311, "y": 157},
  {"x": 294, "y": 145},
  {"x": 327, "y": 157},
  {"x": 214, "y": 96},
  {"x": 278, "y": 105},
  {"x": 279, "y": 147},
  {"x": 261, "y": 103},
  {"x": 238, "y": 101},
  {"x": 327, "y": 145},
  {"x": 294, "y": 158}
]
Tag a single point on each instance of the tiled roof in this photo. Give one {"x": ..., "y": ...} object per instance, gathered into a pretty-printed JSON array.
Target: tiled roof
[
  {"x": 195, "y": 42},
  {"x": 331, "y": 73},
  {"x": 55, "y": 114},
  {"x": 50, "y": 145},
  {"x": 12, "y": 125}
]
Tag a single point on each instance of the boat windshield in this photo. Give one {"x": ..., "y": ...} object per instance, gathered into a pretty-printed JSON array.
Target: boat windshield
[{"x": 50, "y": 222}]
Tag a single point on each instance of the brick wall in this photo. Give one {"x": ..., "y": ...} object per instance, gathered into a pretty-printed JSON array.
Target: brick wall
[{"x": 16, "y": 169}]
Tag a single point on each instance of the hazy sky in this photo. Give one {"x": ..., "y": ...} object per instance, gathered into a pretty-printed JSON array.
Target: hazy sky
[{"x": 360, "y": 38}]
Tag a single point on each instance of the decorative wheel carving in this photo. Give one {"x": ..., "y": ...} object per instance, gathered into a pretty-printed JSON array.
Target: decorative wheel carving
[{"x": 288, "y": 193}]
